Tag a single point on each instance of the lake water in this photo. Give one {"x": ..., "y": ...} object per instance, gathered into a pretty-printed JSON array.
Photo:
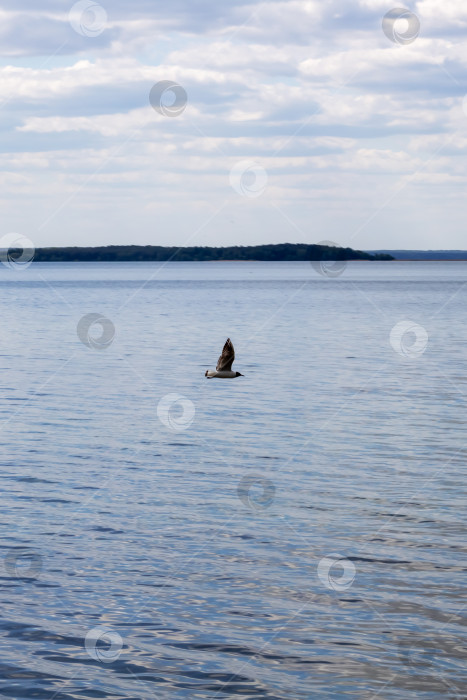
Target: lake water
[{"x": 295, "y": 533}]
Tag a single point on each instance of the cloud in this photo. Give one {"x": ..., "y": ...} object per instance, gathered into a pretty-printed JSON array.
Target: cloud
[{"x": 338, "y": 115}]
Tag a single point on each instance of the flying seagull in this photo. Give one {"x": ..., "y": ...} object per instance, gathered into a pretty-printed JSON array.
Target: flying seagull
[{"x": 224, "y": 364}]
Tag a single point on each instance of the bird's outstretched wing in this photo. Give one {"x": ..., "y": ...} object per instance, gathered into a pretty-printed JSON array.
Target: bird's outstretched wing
[{"x": 225, "y": 361}]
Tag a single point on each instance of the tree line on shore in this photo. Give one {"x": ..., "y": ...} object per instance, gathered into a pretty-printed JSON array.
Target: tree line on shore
[{"x": 149, "y": 253}]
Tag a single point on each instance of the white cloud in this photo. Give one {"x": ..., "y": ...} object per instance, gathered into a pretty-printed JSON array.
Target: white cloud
[
  {"x": 337, "y": 114},
  {"x": 443, "y": 14}
]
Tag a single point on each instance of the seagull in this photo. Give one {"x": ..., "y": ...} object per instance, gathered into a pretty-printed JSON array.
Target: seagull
[{"x": 224, "y": 364}]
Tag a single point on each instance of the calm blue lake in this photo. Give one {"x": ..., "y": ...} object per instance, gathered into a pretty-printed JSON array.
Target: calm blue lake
[{"x": 294, "y": 533}]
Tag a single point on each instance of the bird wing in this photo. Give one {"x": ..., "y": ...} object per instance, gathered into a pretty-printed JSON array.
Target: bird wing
[{"x": 225, "y": 361}]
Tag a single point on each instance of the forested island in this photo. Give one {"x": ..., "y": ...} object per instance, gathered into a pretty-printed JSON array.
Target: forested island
[{"x": 148, "y": 253}]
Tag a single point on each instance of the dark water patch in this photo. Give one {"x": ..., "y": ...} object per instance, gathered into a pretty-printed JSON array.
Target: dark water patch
[
  {"x": 37, "y": 693},
  {"x": 56, "y": 500},
  {"x": 86, "y": 488},
  {"x": 33, "y": 634},
  {"x": 29, "y": 479},
  {"x": 180, "y": 444},
  {"x": 373, "y": 560},
  {"x": 17, "y": 672}
]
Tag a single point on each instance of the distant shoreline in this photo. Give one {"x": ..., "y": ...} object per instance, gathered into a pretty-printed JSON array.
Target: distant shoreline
[
  {"x": 287, "y": 252},
  {"x": 281, "y": 252},
  {"x": 426, "y": 255},
  {"x": 421, "y": 259},
  {"x": 237, "y": 260}
]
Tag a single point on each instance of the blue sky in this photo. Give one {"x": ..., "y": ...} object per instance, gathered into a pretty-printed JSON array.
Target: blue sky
[{"x": 303, "y": 122}]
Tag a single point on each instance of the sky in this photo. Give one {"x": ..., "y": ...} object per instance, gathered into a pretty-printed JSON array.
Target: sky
[{"x": 199, "y": 122}]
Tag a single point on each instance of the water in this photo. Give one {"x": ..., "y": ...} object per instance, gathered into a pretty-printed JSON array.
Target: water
[{"x": 163, "y": 547}]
